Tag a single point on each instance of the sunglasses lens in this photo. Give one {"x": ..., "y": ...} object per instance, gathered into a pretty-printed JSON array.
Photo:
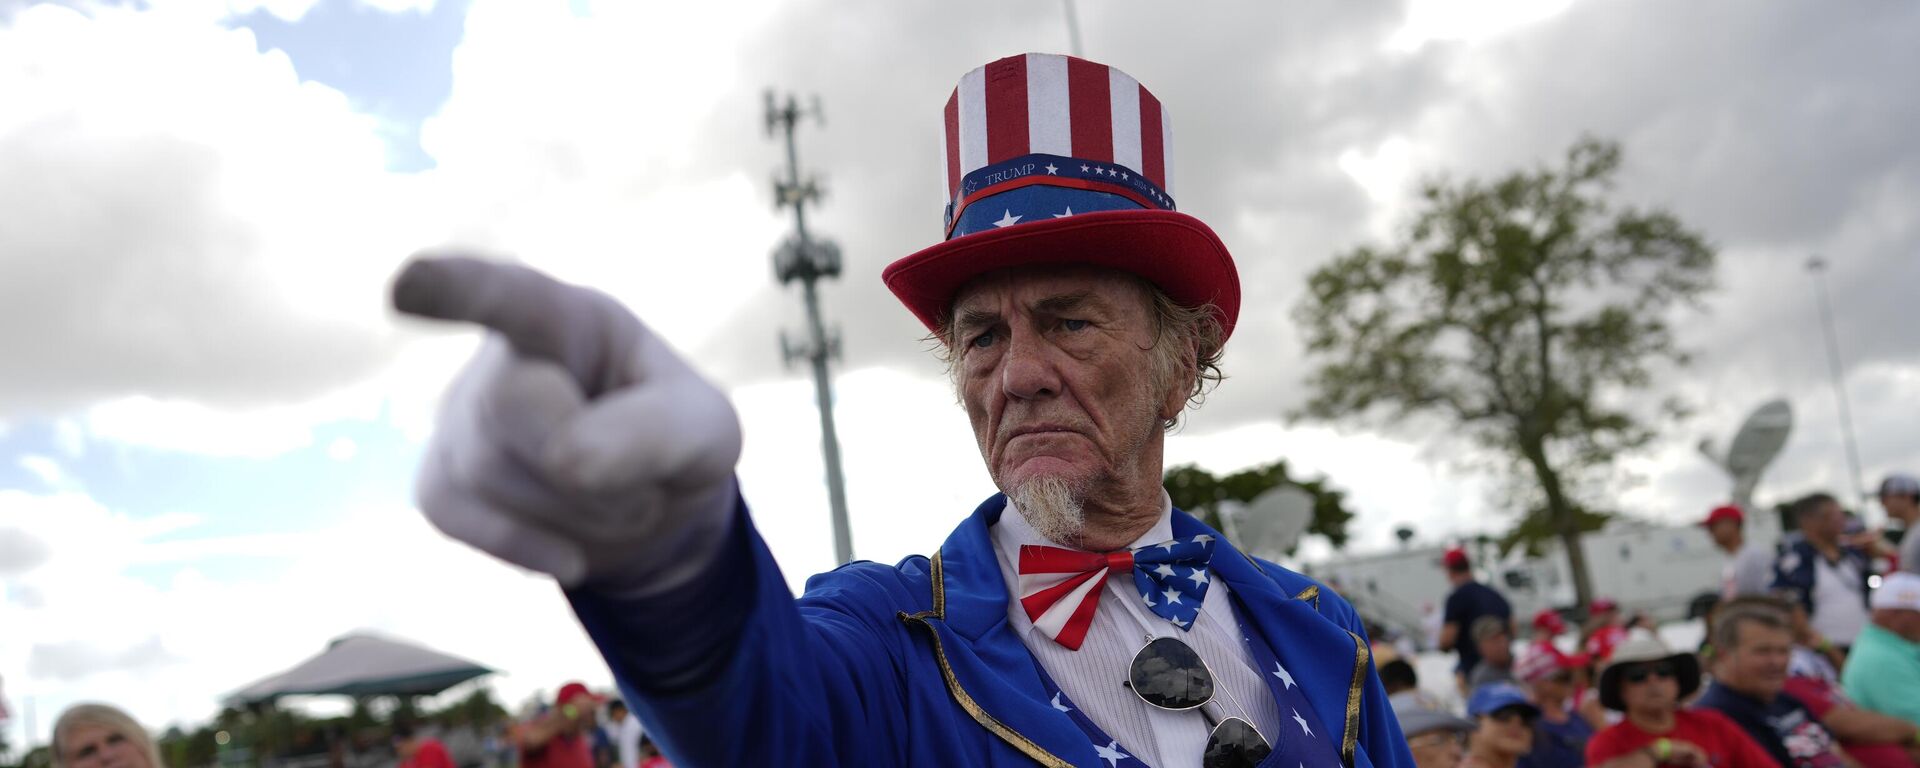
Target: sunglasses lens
[
  {"x": 1169, "y": 675},
  {"x": 1234, "y": 744},
  {"x": 1640, "y": 674}
]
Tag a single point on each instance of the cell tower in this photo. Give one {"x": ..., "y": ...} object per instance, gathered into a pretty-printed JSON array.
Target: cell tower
[{"x": 807, "y": 259}]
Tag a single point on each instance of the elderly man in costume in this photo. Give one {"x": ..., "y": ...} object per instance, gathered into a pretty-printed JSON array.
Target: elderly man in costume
[{"x": 1075, "y": 618}]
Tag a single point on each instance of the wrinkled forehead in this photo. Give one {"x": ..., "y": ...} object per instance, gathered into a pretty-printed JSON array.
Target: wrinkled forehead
[{"x": 1025, "y": 286}]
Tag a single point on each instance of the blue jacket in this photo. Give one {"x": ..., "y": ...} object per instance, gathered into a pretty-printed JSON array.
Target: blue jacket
[
  {"x": 1793, "y": 570},
  {"x": 914, "y": 664}
]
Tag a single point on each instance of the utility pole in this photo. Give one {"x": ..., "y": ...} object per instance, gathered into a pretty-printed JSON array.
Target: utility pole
[
  {"x": 1073, "y": 29},
  {"x": 808, "y": 260},
  {"x": 1818, "y": 267}
]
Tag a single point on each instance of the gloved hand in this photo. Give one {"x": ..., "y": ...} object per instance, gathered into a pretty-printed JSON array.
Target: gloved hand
[{"x": 575, "y": 443}]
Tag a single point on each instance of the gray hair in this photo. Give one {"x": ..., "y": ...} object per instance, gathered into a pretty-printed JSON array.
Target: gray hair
[
  {"x": 105, "y": 716},
  {"x": 1760, "y": 611}
]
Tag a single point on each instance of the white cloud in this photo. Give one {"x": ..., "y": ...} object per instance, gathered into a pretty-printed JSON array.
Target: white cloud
[
  {"x": 44, "y": 468},
  {"x": 200, "y": 225},
  {"x": 1467, "y": 21},
  {"x": 164, "y": 639},
  {"x": 342, "y": 449},
  {"x": 70, "y": 438},
  {"x": 566, "y": 142}
]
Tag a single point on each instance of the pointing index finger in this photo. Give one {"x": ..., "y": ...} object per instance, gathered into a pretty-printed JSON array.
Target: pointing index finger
[{"x": 542, "y": 317}]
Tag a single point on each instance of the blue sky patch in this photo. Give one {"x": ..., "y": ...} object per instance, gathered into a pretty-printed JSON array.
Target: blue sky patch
[{"x": 397, "y": 67}]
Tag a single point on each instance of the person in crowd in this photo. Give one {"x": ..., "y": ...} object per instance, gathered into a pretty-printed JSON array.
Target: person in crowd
[
  {"x": 624, "y": 730},
  {"x": 1493, "y": 638},
  {"x": 1647, "y": 682},
  {"x": 1436, "y": 737},
  {"x": 650, "y": 756},
  {"x": 1872, "y": 739},
  {"x": 1078, "y": 315},
  {"x": 561, "y": 737},
  {"x": 600, "y": 743},
  {"x": 1403, "y": 684},
  {"x": 1561, "y": 733},
  {"x": 1883, "y": 669},
  {"x": 1606, "y": 626},
  {"x": 1603, "y": 630},
  {"x": 1751, "y": 647},
  {"x": 1382, "y": 643},
  {"x": 1822, "y": 572},
  {"x": 1548, "y": 626},
  {"x": 1813, "y": 654},
  {"x": 1503, "y": 726},
  {"x": 101, "y": 736},
  {"x": 1749, "y": 569},
  {"x": 1468, "y": 602},
  {"x": 1900, "y": 497},
  {"x": 416, "y": 749}
]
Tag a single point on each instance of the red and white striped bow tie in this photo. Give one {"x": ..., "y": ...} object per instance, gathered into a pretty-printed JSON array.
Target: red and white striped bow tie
[{"x": 1060, "y": 588}]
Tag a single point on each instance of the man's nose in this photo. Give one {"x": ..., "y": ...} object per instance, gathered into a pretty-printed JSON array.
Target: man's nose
[{"x": 1029, "y": 372}]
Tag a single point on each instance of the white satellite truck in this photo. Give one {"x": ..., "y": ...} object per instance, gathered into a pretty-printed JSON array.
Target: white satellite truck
[{"x": 1667, "y": 570}]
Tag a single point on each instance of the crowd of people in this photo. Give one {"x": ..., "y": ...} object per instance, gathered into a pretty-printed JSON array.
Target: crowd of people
[
  {"x": 1810, "y": 659},
  {"x": 579, "y": 729}
]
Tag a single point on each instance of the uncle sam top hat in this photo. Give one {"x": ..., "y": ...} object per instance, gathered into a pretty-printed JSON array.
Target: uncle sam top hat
[{"x": 1057, "y": 160}]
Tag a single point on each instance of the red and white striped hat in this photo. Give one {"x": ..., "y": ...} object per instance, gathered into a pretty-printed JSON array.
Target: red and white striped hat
[{"x": 1057, "y": 160}]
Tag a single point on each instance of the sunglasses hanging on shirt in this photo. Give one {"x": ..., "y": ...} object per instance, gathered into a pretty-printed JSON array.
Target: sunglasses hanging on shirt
[{"x": 1169, "y": 674}]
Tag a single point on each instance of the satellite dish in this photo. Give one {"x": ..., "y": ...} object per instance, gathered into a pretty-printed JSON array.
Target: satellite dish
[
  {"x": 1755, "y": 446},
  {"x": 1272, "y": 524}
]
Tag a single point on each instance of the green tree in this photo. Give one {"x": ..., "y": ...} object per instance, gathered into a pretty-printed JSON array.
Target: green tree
[
  {"x": 1528, "y": 314},
  {"x": 1199, "y": 492}
]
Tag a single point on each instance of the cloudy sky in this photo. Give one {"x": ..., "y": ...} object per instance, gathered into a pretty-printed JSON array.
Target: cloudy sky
[{"x": 209, "y": 419}]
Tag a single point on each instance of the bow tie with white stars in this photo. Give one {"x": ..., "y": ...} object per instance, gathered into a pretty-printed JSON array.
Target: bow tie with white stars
[{"x": 1060, "y": 588}]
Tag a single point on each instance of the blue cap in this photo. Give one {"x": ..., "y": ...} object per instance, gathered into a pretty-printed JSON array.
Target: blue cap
[{"x": 1493, "y": 697}]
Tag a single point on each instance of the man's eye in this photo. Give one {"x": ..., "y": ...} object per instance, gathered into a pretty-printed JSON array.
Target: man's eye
[
  {"x": 1074, "y": 325},
  {"x": 982, "y": 341}
]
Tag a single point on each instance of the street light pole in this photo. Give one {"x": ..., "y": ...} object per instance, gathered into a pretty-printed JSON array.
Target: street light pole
[
  {"x": 1818, "y": 267},
  {"x": 808, "y": 260}
]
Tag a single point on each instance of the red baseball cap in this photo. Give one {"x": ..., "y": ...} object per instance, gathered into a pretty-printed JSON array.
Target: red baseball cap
[
  {"x": 1724, "y": 512},
  {"x": 1603, "y": 604},
  {"x": 1455, "y": 558},
  {"x": 1538, "y": 662},
  {"x": 1548, "y": 620},
  {"x": 572, "y": 691}
]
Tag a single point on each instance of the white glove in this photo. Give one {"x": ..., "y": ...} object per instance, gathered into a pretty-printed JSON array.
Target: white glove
[{"x": 575, "y": 443}]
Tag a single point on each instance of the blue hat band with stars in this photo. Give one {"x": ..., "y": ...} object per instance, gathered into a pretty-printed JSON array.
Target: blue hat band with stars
[{"x": 1039, "y": 187}]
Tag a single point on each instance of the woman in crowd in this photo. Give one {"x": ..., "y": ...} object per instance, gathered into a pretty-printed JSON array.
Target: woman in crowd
[
  {"x": 101, "y": 736},
  {"x": 1504, "y": 733},
  {"x": 1647, "y": 682}
]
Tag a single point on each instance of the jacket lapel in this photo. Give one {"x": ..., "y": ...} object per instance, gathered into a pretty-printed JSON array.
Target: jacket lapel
[
  {"x": 1326, "y": 661},
  {"x": 989, "y": 673}
]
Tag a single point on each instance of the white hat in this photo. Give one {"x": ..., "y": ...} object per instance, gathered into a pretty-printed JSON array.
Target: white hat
[{"x": 1898, "y": 590}]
